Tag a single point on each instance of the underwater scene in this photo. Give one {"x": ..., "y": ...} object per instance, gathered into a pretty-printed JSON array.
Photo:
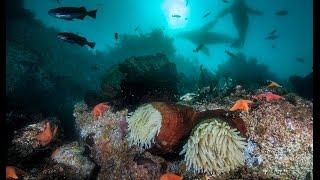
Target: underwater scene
[{"x": 159, "y": 89}]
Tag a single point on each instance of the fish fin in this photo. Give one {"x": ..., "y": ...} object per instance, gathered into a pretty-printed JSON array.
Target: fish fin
[
  {"x": 91, "y": 44},
  {"x": 92, "y": 13}
]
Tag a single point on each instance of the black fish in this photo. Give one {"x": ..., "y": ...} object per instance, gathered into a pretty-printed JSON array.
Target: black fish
[
  {"x": 176, "y": 16},
  {"x": 206, "y": 15},
  {"x": 75, "y": 39},
  {"x": 116, "y": 36},
  {"x": 271, "y": 37},
  {"x": 70, "y": 13},
  {"x": 282, "y": 13}
]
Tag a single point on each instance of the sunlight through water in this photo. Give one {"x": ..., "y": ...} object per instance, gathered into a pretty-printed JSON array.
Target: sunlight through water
[{"x": 176, "y": 13}]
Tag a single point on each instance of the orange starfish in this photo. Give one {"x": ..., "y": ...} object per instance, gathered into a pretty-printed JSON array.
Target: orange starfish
[
  {"x": 11, "y": 173},
  {"x": 170, "y": 176},
  {"x": 242, "y": 105},
  {"x": 45, "y": 137},
  {"x": 274, "y": 85},
  {"x": 99, "y": 109},
  {"x": 269, "y": 96}
]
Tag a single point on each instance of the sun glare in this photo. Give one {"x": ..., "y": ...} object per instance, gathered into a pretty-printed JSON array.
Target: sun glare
[{"x": 176, "y": 13}]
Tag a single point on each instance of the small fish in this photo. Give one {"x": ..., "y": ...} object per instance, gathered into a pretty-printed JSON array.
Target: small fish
[
  {"x": 225, "y": 1},
  {"x": 136, "y": 29},
  {"x": 75, "y": 39},
  {"x": 176, "y": 16},
  {"x": 281, "y": 13},
  {"x": 299, "y": 59},
  {"x": 231, "y": 54},
  {"x": 273, "y": 32},
  {"x": 70, "y": 13},
  {"x": 116, "y": 36},
  {"x": 273, "y": 46},
  {"x": 272, "y": 37},
  {"x": 206, "y": 15},
  {"x": 185, "y": 18}
]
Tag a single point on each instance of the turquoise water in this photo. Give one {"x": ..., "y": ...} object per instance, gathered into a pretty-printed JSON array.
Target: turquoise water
[{"x": 123, "y": 16}]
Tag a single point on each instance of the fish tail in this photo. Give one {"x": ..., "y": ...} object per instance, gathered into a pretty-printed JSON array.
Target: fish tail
[
  {"x": 92, "y": 13},
  {"x": 91, "y": 44}
]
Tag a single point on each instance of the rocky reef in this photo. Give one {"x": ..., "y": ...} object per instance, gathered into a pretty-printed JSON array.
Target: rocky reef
[
  {"x": 106, "y": 139},
  {"x": 32, "y": 141},
  {"x": 278, "y": 140},
  {"x": 283, "y": 134},
  {"x": 142, "y": 79},
  {"x": 71, "y": 155},
  {"x": 303, "y": 85},
  {"x": 280, "y": 132},
  {"x": 274, "y": 140}
]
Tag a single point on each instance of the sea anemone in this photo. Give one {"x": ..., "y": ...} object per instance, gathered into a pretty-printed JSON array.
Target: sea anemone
[
  {"x": 163, "y": 127},
  {"x": 143, "y": 125},
  {"x": 214, "y": 147}
]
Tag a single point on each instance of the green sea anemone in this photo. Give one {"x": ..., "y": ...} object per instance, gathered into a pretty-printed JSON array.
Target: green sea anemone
[
  {"x": 214, "y": 148},
  {"x": 143, "y": 126}
]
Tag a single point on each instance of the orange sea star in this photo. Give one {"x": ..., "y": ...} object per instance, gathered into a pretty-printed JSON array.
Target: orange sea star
[
  {"x": 268, "y": 96},
  {"x": 11, "y": 173},
  {"x": 170, "y": 176},
  {"x": 45, "y": 137},
  {"x": 242, "y": 105},
  {"x": 99, "y": 109}
]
